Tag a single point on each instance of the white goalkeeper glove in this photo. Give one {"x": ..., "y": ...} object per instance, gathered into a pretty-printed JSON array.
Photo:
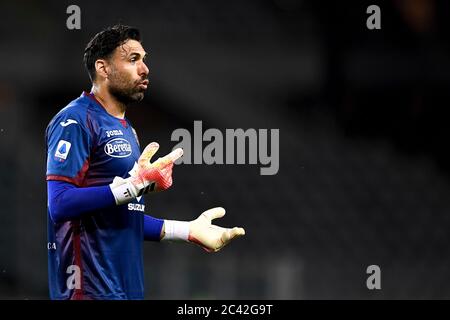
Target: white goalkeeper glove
[
  {"x": 210, "y": 237},
  {"x": 146, "y": 176}
]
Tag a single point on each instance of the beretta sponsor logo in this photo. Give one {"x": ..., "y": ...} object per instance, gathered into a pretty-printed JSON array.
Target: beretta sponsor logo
[{"x": 118, "y": 148}]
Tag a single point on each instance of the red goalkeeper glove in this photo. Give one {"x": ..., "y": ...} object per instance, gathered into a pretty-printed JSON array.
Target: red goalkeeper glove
[{"x": 146, "y": 176}]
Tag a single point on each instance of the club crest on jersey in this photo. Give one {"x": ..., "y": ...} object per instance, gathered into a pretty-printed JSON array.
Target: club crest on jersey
[
  {"x": 118, "y": 148},
  {"x": 62, "y": 150}
]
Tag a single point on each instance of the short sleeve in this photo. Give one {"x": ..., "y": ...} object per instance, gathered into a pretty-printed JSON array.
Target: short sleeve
[{"x": 68, "y": 147}]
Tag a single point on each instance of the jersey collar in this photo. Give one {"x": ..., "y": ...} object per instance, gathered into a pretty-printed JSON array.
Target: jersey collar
[{"x": 97, "y": 103}]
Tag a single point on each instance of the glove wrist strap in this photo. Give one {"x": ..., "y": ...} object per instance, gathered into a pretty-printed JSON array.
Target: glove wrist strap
[
  {"x": 176, "y": 230},
  {"x": 122, "y": 191}
]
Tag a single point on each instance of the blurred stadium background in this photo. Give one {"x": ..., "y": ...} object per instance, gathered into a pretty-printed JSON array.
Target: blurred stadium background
[{"x": 363, "y": 119}]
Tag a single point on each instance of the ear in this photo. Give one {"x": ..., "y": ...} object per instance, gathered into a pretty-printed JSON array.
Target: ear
[{"x": 101, "y": 67}]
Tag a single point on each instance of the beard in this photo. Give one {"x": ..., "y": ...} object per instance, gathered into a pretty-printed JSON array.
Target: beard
[{"x": 124, "y": 89}]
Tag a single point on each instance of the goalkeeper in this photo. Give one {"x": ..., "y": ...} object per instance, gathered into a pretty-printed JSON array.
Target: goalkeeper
[{"x": 96, "y": 176}]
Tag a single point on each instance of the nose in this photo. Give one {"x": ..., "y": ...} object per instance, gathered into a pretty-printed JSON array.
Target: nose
[{"x": 144, "y": 71}]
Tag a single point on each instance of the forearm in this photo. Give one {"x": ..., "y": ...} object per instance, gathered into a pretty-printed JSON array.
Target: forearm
[
  {"x": 153, "y": 228},
  {"x": 68, "y": 202}
]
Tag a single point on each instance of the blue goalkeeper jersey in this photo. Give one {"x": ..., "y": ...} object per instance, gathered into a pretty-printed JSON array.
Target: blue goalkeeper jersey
[{"x": 98, "y": 256}]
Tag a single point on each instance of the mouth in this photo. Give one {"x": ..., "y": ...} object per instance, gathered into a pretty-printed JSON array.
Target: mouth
[{"x": 143, "y": 84}]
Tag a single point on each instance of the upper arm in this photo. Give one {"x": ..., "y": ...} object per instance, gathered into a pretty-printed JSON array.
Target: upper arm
[{"x": 68, "y": 147}]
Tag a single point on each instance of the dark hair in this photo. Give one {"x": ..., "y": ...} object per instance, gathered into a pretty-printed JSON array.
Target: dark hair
[{"x": 102, "y": 45}]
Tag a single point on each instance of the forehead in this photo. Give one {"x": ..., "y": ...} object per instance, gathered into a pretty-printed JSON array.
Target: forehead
[{"x": 129, "y": 47}]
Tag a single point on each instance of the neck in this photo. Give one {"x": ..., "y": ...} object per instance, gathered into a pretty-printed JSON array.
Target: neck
[{"x": 108, "y": 101}]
